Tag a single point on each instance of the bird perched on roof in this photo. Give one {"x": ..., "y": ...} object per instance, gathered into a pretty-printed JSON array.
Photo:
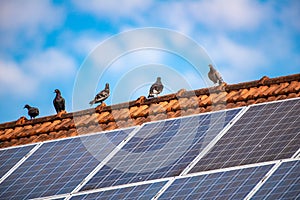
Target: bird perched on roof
[
  {"x": 58, "y": 101},
  {"x": 101, "y": 96},
  {"x": 32, "y": 111},
  {"x": 156, "y": 88},
  {"x": 214, "y": 75}
]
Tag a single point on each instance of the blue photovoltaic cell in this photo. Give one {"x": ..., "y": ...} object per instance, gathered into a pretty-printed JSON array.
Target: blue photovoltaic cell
[
  {"x": 146, "y": 191},
  {"x": 235, "y": 184},
  {"x": 161, "y": 149},
  {"x": 58, "y": 167},
  {"x": 10, "y": 157},
  {"x": 265, "y": 132},
  {"x": 283, "y": 184}
]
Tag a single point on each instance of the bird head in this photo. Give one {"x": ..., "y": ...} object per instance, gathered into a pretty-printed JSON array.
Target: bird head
[
  {"x": 57, "y": 91},
  {"x": 106, "y": 86},
  {"x": 210, "y": 66},
  {"x": 158, "y": 78},
  {"x": 26, "y": 106}
]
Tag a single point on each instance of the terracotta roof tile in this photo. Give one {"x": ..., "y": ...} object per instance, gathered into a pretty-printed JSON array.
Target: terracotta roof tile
[
  {"x": 280, "y": 89},
  {"x": 142, "y": 110},
  {"x": 52, "y": 126},
  {"x": 260, "y": 91},
  {"x": 205, "y": 100},
  {"x": 174, "y": 105},
  {"x": 5, "y": 135},
  {"x": 63, "y": 125},
  {"x": 174, "y": 114},
  {"x": 104, "y": 117},
  {"x": 157, "y": 108},
  {"x": 291, "y": 87}
]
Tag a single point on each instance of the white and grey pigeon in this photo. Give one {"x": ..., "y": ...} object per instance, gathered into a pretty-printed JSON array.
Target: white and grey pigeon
[
  {"x": 214, "y": 75},
  {"x": 32, "y": 111},
  {"x": 156, "y": 88},
  {"x": 101, "y": 96},
  {"x": 58, "y": 101}
]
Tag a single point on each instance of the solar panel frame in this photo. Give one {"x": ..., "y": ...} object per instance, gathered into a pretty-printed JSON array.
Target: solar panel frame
[
  {"x": 245, "y": 143},
  {"x": 231, "y": 183},
  {"x": 57, "y": 167},
  {"x": 11, "y": 156},
  {"x": 284, "y": 183},
  {"x": 137, "y": 191},
  {"x": 107, "y": 176}
]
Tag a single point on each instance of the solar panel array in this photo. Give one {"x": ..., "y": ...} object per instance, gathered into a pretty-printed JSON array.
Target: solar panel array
[
  {"x": 10, "y": 157},
  {"x": 264, "y": 133},
  {"x": 226, "y": 154},
  {"x": 234, "y": 184},
  {"x": 143, "y": 191},
  {"x": 58, "y": 167},
  {"x": 283, "y": 184},
  {"x": 160, "y": 150}
]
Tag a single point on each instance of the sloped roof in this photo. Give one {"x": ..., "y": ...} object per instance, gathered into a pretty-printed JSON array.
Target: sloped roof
[{"x": 182, "y": 103}]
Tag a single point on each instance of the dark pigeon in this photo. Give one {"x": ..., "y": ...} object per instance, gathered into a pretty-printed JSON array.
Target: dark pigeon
[
  {"x": 32, "y": 111},
  {"x": 156, "y": 88},
  {"x": 101, "y": 96},
  {"x": 214, "y": 75},
  {"x": 58, "y": 101}
]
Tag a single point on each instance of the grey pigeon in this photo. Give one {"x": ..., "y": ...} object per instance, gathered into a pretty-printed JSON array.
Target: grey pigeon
[
  {"x": 58, "y": 101},
  {"x": 156, "y": 88},
  {"x": 101, "y": 96},
  {"x": 32, "y": 111},
  {"x": 214, "y": 75}
]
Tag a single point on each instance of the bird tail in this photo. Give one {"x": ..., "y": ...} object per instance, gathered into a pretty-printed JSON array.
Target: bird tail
[{"x": 92, "y": 102}]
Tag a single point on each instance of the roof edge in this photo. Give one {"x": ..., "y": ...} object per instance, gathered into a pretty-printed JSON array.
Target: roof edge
[{"x": 264, "y": 81}]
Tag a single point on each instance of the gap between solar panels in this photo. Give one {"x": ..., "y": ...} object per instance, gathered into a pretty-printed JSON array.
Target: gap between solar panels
[
  {"x": 133, "y": 133},
  {"x": 190, "y": 165},
  {"x": 204, "y": 151},
  {"x": 194, "y": 175},
  {"x": 85, "y": 180},
  {"x": 270, "y": 173}
]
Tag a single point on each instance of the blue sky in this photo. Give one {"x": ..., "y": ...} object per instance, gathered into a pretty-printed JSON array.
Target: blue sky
[{"x": 44, "y": 44}]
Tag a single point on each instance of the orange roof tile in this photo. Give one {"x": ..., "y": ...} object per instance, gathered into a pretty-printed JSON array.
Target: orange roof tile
[{"x": 183, "y": 103}]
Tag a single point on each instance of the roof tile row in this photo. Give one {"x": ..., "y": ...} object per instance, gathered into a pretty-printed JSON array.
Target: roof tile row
[{"x": 183, "y": 103}]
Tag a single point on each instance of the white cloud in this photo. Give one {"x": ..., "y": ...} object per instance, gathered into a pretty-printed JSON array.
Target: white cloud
[
  {"x": 237, "y": 62},
  {"x": 32, "y": 15},
  {"x": 187, "y": 16},
  {"x": 50, "y": 64},
  {"x": 25, "y": 78},
  {"x": 233, "y": 14},
  {"x": 23, "y": 23},
  {"x": 113, "y": 8},
  {"x": 14, "y": 81}
]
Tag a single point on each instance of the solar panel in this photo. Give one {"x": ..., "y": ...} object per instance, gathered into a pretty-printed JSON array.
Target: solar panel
[
  {"x": 266, "y": 132},
  {"x": 234, "y": 184},
  {"x": 145, "y": 191},
  {"x": 283, "y": 184},
  {"x": 161, "y": 149},
  {"x": 58, "y": 167},
  {"x": 10, "y": 157}
]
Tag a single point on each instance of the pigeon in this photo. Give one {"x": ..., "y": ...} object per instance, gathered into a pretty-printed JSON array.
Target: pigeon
[
  {"x": 32, "y": 111},
  {"x": 101, "y": 96},
  {"x": 156, "y": 88},
  {"x": 214, "y": 75},
  {"x": 58, "y": 101}
]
